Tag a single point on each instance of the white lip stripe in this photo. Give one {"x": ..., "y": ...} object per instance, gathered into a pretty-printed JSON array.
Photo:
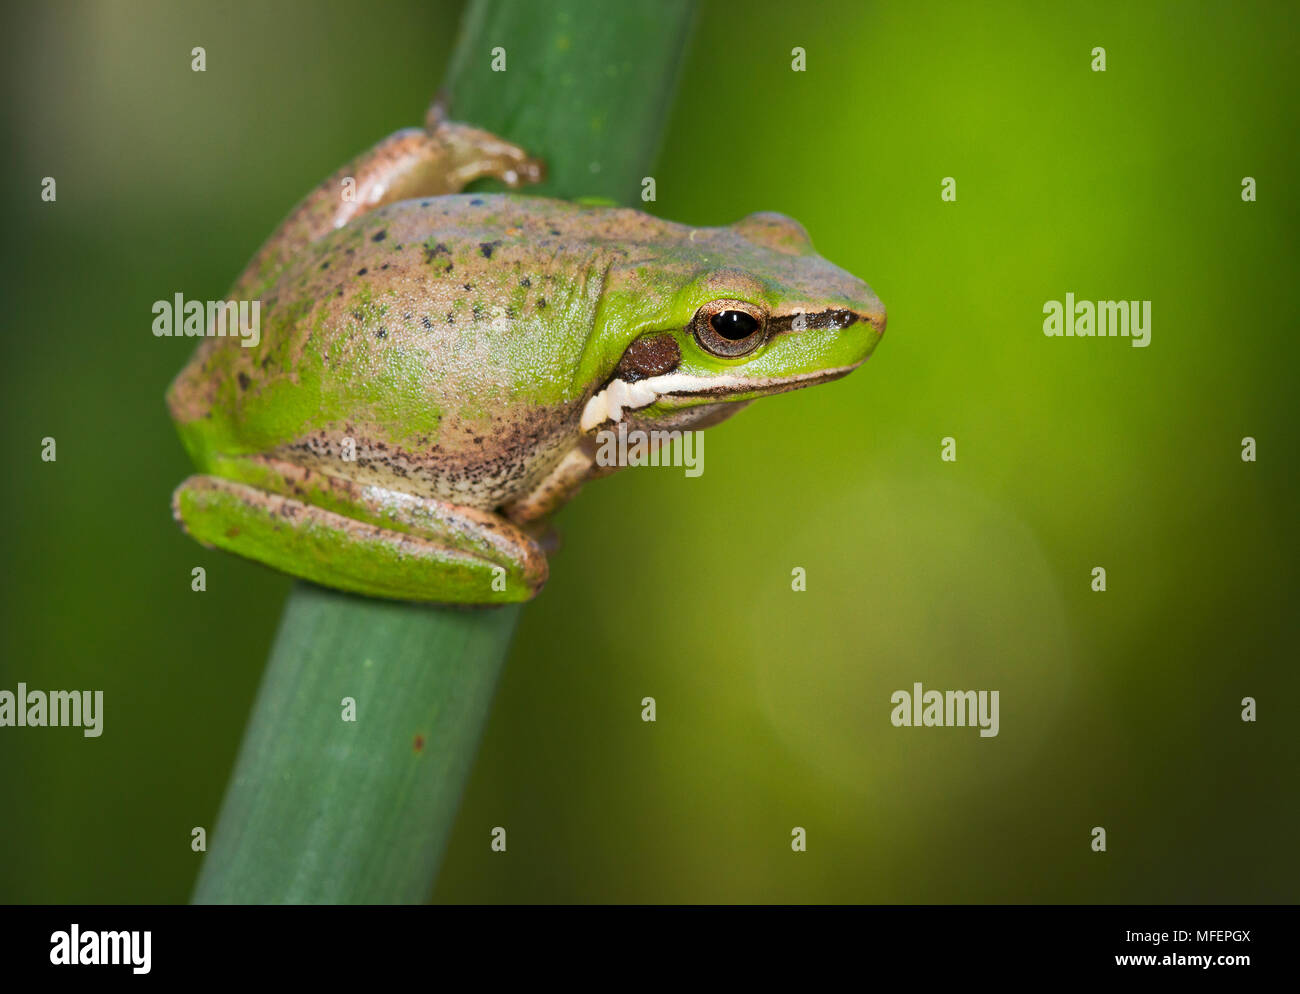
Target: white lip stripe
[{"x": 620, "y": 396}]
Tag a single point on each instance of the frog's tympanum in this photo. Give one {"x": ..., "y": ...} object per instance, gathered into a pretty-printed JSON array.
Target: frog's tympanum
[{"x": 434, "y": 368}]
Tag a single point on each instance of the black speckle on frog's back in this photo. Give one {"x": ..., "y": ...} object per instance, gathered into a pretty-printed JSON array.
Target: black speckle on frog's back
[{"x": 518, "y": 276}]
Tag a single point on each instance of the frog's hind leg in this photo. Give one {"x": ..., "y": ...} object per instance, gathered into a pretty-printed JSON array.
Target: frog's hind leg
[
  {"x": 443, "y": 157},
  {"x": 461, "y": 555}
]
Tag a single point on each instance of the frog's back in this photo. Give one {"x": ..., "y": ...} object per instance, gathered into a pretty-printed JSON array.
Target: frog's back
[{"x": 443, "y": 336}]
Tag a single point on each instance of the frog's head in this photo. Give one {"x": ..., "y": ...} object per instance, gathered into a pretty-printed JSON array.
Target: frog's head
[{"x": 709, "y": 319}]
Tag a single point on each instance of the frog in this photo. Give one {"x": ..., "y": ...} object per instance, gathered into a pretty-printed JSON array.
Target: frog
[{"x": 435, "y": 367}]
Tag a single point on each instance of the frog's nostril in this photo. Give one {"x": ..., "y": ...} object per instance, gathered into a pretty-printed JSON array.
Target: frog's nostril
[{"x": 876, "y": 317}]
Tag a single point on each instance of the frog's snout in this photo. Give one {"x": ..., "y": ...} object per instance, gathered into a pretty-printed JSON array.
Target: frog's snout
[
  {"x": 867, "y": 328},
  {"x": 875, "y": 316},
  {"x": 866, "y": 307}
]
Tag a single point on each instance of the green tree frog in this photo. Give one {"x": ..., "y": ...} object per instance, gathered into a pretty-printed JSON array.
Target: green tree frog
[{"x": 433, "y": 368}]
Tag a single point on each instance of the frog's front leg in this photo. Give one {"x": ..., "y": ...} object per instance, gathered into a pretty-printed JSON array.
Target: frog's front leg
[
  {"x": 442, "y": 158},
  {"x": 430, "y": 551},
  {"x": 556, "y": 489}
]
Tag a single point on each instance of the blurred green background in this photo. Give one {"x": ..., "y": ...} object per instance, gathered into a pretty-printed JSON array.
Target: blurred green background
[{"x": 1119, "y": 709}]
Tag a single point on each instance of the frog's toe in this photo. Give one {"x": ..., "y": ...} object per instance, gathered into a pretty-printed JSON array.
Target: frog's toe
[
  {"x": 527, "y": 172},
  {"x": 547, "y": 537}
]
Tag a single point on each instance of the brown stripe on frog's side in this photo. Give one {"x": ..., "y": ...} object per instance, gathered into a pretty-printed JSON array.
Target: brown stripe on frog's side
[
  {"x": 470, "y": 463},
  {"x": 653, "y": 355}
]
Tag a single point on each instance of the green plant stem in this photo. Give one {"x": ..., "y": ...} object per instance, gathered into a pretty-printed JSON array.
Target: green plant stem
[
  {"x": 327, "y": 810},
  {"x": 324, "y": 810},
  {"x": 587, "y": 86}
]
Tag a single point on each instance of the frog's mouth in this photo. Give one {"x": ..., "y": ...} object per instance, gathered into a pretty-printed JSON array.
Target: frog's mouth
[{"x": 676, "y": 390}]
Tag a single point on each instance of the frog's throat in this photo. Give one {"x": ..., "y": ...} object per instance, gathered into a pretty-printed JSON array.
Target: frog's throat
[{"x": 620, "y": 395}]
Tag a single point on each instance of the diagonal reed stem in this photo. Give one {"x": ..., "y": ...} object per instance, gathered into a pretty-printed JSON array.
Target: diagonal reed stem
[{"x": 324, "y": 810}]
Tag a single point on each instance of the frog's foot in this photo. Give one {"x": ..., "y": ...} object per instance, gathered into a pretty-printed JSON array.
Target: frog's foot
[
  {"x": 441, "y": 159},
  {"x": 445, "y": 554},
  {"x": 546, "y": 536},
  {"x": 556, "y": 489},
  {"x": 472, "y": 153},
  {"x": 415, "y": 163}
]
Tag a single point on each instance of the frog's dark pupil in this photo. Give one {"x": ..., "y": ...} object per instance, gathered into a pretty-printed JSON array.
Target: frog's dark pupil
[{"x": 734, "y": 325}]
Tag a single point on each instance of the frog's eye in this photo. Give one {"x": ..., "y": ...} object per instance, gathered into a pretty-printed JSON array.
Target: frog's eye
[{"x": 729, "y": 328}]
